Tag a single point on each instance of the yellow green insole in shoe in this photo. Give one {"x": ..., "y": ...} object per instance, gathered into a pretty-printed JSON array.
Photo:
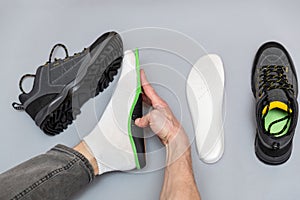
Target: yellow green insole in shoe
[{"x": 273, "y": 115}]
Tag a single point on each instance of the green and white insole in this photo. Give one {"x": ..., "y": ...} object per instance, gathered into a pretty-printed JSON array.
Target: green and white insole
[{"x": 273, "y": 115}]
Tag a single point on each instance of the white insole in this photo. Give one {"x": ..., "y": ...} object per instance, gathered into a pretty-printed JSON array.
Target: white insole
[{"x": 205, "y": 92}]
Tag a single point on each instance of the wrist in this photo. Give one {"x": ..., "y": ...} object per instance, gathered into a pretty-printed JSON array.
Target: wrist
[{"x": 178, "y": 147}]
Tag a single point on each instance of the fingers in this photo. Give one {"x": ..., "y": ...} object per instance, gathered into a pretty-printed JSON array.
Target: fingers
[
  {"x": 159, "y": 123},
  {"x": 146, "y": 100},
  {"x": 161, "y": 120},
  {"x": 143, "y": 121},
  {"x": 150, "y": 92}
]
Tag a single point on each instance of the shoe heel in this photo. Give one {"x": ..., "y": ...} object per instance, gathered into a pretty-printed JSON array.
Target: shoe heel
[
  {"x": 60, "y": 118},
  {"x": 270, "y": 156}
]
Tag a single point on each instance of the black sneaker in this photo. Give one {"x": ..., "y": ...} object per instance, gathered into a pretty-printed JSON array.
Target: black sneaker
[
  {"x": 61, "y": 87},
  {"x": 274, "y": 85}
]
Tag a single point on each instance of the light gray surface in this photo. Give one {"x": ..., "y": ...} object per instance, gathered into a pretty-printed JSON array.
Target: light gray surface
[{"x": 234, "y": 30}]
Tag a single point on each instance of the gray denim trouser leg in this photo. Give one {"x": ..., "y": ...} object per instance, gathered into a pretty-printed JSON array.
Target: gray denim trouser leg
[{"x": 56, "y": 175}]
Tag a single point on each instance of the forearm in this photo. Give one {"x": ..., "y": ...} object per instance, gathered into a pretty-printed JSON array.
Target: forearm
[{"x": 179, "y": 180}]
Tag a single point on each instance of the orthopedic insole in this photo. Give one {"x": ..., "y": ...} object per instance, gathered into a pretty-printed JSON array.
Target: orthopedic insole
[
  {"x": 205, "y": 92},
  {"x": 274, "y": 115}
]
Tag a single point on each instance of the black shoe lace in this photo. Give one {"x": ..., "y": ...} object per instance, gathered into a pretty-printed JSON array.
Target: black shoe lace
[
  {"x": 54, "y": 47},
  {"x": 273, "y": 77},
  {"x": 19, "y": 106}
]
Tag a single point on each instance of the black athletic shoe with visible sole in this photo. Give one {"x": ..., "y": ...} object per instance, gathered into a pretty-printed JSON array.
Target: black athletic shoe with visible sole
[
  {"x": 275, "y": 88},
  {"x": 61, "y": 87}
]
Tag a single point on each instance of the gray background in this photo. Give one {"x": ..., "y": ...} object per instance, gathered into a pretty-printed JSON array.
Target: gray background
[{"x": 232, "y": 29}]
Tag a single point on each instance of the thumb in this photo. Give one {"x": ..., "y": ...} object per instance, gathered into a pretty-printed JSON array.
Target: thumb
[{"x": 143, "y": 121}]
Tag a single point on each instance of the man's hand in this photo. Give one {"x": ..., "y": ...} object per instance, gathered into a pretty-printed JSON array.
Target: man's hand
[
  {"x": 161, "y": 119},
  {"x": 179, "y": 180}
]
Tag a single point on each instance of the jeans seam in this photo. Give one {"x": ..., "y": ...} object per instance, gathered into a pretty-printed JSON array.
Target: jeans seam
[
  {"x": 72, "y": 152},
  {"x": 45, "y": 178}
]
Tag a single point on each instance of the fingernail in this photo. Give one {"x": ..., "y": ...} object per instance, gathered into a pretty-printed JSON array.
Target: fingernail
[{"x": 137, "y": 120}]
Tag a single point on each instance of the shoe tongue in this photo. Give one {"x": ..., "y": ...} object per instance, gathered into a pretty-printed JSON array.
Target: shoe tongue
[{"x": 278, "y": 100}]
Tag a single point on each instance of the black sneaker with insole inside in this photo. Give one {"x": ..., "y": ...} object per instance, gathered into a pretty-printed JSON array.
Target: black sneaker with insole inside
[
  {"x": 62, "y": 86},
  {"x": 275, "y": 88}
]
